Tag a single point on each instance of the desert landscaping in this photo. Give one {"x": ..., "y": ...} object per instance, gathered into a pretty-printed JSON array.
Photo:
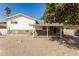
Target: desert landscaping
[{"x": 27, "y": 45}]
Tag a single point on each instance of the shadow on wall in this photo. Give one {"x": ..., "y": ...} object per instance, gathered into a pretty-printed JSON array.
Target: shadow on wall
[{"x": 68, "y": 41}]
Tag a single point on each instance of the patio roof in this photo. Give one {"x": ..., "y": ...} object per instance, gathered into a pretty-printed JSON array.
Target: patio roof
[{"x": 47, "y": 24}]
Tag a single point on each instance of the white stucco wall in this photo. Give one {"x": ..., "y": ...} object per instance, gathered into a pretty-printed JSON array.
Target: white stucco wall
[
  {"x": 23, "y": 23},
  {"x": 3, "y": 31},
  {"x": 69, "y": 32}
]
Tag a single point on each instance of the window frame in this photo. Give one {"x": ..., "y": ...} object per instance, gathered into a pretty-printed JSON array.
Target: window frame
[{"x": 14, "y": 22}]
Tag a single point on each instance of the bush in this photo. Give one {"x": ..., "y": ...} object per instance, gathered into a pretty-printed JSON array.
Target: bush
[
  {"x": 69, "y": 26},
  {"x": 77, "y": 31}
]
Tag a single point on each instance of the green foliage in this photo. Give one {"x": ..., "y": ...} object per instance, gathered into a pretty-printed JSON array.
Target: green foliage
[
  {"x": 69, "y": 26},
  {"x": 8, "y": 11},
  {"x": 61, "y": 12}
]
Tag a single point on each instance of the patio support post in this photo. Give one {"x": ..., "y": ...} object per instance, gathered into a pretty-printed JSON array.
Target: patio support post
[
  {"x": 61, "y": 32},
  {"x": 47, "y": 31},
  {"x": 33, "y": 33}
]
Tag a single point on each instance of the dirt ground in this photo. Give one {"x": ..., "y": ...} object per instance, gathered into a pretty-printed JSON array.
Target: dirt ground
[{"x": 28, "y": 46}]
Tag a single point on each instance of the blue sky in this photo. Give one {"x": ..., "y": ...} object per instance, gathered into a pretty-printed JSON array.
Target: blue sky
[{"x": 34, "y": 10}]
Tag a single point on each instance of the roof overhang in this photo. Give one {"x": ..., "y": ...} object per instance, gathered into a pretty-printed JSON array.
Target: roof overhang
[
  {"x": 47, "y": 24},
  {"x": 17, "y": 15}
]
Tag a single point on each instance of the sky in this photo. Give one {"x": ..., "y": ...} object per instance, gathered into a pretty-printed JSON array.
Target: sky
[{"x": 34, "y": 10}]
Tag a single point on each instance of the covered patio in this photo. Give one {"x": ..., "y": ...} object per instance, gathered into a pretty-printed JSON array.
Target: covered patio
[{"x": 54, "y": 29}]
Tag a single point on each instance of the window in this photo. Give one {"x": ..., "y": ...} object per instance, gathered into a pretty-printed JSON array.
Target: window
[{"x": 13, "y": 22}]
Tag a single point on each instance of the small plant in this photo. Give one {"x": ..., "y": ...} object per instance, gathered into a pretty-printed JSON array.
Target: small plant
[{"x": 77, "y": 31}]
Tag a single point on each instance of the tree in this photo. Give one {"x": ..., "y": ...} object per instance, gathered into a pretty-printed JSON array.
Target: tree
[
  {"x": 8, "y": 11},
  {"x": 51, "y": 12},
  {"x": 61, "y": 12},
  {"x": 71, "y": 13}
]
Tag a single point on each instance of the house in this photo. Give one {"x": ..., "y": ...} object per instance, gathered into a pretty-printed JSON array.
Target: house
[
  {"x": 19, "y": 24},
  {"x": 3, "y": 28},
  {"x": 23, "y": 24}
]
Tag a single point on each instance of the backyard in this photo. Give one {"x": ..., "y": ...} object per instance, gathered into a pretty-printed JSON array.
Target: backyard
[{"x": 27, "y": 45}]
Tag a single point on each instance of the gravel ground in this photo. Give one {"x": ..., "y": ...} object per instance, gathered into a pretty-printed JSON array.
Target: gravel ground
[{"x": 29, "y": 46}]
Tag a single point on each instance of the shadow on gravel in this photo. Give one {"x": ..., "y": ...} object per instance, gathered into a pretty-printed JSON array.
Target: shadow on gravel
[{"x": 68, "y": 41}]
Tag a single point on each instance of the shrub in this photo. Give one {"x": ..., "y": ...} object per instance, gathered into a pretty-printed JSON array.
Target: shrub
[
  {"x": 69, "y": 26},
  {"x": 77, "y": 31}
]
